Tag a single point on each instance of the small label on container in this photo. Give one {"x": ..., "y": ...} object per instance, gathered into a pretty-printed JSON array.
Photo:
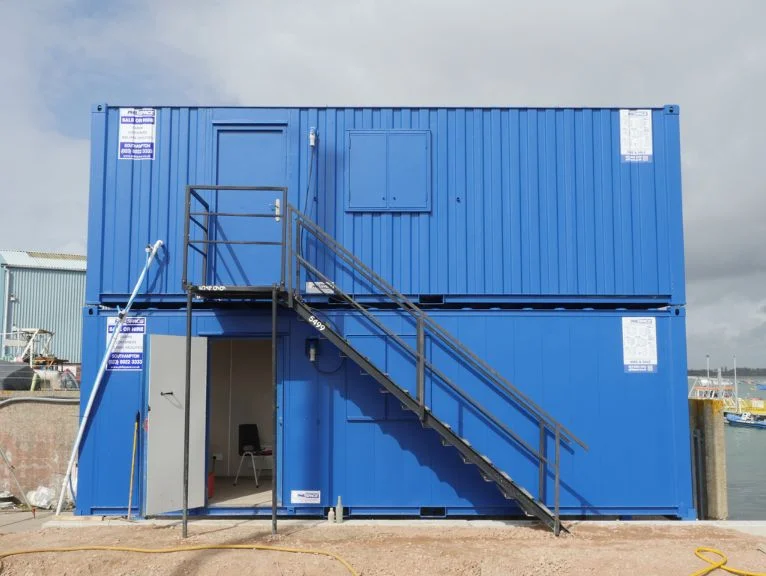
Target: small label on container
[
  {"x": 137, "y": 133},
  {"x": 639, "y": 344},
  {"x": 320, "y": 288},
  {"x": 305, "y": 496},
  {"x": 636, "y": 135},
  {"x": 128, "y": 351}
]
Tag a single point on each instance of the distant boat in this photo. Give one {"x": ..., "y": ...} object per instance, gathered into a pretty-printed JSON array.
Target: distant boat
[
  {"x": 745, "y": 419},
  {"x": 761, "y": 386}
]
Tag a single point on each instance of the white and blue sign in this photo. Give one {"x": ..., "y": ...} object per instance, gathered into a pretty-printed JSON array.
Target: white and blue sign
[
  {"x": 128, "y": 351},
  {"x": 137, "y": 133},
  {"x": 636, "y": 136},
  {"x": 639, "y": 344},
  {"x": 305, "y": 497}
]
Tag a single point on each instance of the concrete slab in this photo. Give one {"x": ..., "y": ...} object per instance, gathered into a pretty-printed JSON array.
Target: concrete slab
[
  {"x": 71, "y": 521},
  {"x": 752, "y": 527},
  {"x": 23, "y": 521}
]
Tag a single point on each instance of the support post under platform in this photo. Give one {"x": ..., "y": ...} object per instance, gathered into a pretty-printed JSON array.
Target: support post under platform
[{"x": 274, "y": 296}]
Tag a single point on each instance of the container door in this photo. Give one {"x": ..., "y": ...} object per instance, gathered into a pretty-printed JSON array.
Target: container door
[
  {"x": 165, "y": 432},
  {"x": 249, "y": 156}
]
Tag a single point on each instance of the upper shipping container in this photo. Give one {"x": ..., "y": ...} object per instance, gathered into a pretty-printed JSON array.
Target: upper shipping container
[{"x": 516, "y": 205}]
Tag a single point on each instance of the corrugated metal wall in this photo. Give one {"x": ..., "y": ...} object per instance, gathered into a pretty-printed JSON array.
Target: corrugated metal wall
[
  {"x": 53, "y": 300},
  {"x": 525, "y": 203},
  {"x": 341, "y": 436}
]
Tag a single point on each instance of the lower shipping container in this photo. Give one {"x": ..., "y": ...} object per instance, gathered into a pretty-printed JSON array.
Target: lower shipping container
[{"x": 337, "y": 435}]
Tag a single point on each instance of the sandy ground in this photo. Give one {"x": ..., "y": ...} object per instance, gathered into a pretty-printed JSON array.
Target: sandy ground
[{"x": 388, "y": 549}]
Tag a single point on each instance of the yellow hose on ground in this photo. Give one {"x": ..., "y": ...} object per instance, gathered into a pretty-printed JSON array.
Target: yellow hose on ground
[
  {"x": 332, "y": 555},
  {"x": 719, "y": 564},
  {"x": 715, "y": 564}
]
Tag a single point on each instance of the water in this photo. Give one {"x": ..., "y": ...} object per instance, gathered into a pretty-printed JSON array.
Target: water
[
  {"x": 746, "y": 472},
  {"x": 746, "y": 466}
]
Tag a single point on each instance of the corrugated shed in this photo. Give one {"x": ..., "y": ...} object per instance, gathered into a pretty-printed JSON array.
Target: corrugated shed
[
  {"x": 42, "y": 260},
  {"x": 52, "y": 300},
  {"x": 524, "y": 203}
]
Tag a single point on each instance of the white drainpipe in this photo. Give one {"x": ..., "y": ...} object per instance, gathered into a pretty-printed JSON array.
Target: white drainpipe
[{"x": 6, "y": 301}]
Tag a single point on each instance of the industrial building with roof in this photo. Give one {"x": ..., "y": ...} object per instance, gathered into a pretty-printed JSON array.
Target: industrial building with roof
[{"x": 43, "y": 290}]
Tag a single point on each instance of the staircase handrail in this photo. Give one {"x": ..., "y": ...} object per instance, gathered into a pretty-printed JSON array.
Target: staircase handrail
[{"x": 405, "y": 303}]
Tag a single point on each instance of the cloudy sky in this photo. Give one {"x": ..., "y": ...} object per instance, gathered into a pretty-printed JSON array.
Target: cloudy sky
[{"x": 59, "y": 56}]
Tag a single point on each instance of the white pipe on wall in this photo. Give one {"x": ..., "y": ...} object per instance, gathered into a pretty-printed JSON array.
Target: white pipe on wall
[
  {"x": 121, "y": 315},
  {"x": 6, "y": 306}
]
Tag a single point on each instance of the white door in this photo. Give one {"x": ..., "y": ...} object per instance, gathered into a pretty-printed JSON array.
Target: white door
[{"x": 165, "y": 432}]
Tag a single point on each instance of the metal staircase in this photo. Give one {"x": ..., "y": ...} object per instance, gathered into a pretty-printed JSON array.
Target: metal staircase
[{"x": 299, "y": 232}]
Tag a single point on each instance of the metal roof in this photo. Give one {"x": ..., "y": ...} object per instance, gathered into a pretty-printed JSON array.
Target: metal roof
[{"x": 42, "y": 260}]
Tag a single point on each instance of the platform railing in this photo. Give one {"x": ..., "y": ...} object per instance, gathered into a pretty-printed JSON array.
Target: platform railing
[{"x": 202, "y": 227}]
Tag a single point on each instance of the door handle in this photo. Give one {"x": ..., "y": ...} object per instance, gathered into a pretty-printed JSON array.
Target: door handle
[{"x": 167, "y": 394}]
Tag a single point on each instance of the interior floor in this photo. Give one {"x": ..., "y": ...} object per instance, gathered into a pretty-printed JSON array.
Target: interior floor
[{"x": 243, "y": 495}]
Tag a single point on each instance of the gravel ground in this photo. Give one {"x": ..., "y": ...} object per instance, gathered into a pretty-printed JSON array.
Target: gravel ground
[{"x": 593, "y": 549}]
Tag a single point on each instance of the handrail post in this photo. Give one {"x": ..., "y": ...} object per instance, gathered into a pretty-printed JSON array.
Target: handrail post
[
  {"x": 185, "y": 264},
  {"x": 285, "y": 214},
  {"x": 557, "y": 521},
  {"x": 541, "y": 461},
  {"x": 298, "y": 242},
  {"x": 207, "y": 249},
  {"x": 288, "y": 249},
  {"x": 421, "y": 376}
]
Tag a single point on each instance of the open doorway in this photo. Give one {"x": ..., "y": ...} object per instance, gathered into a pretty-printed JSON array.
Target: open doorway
[{"x": 241, "y": 430}]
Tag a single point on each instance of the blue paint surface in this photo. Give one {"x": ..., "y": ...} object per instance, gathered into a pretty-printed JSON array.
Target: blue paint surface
[
  {"x": 340, "y": 435},
  {"x": 521, "y": 204}
]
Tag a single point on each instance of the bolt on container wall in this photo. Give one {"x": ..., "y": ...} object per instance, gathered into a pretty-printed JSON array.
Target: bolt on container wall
[
  {"x": 495, "y": 204},
  {"x": 616, "y": 377}
]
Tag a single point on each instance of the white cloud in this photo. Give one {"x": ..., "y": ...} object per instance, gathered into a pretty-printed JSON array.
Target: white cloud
[{"x": 709, "y": 57}]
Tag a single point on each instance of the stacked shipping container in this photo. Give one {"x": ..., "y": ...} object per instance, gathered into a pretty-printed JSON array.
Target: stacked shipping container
[
  {"x": 522, "y": 204},
  {"x": 550, "y": 238}
]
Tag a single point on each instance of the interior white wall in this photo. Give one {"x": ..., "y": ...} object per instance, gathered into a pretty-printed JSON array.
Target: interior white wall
[{"x": 240, "y": 393}]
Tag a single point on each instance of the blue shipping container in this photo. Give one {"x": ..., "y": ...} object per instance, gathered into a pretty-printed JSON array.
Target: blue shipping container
[
  {"x": 337, "y": 435},
  {"x": 509, "y": 205}
]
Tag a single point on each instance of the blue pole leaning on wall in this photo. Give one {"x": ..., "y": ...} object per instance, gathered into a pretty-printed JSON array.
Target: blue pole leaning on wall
[{"x": 121, "y": 315}]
